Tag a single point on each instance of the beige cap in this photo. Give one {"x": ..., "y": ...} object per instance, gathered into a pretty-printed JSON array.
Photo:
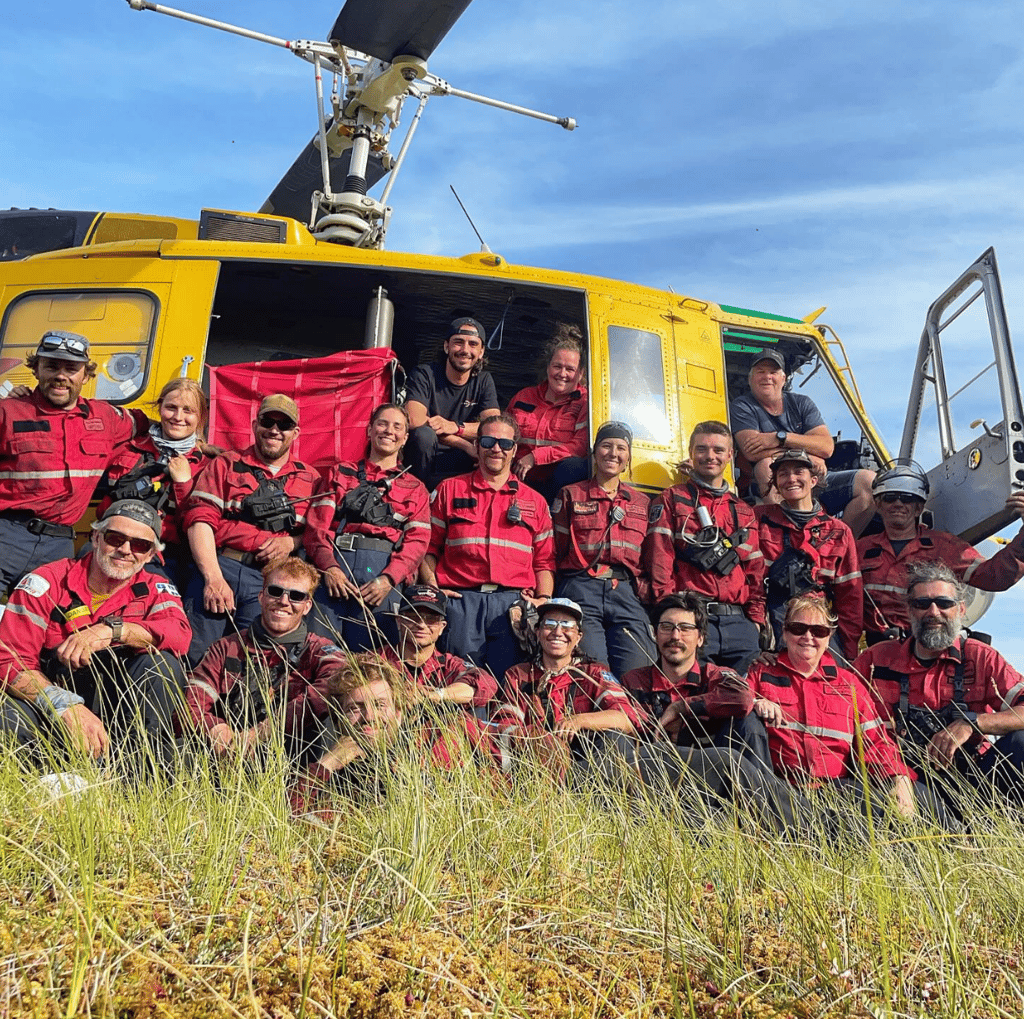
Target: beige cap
[{"x": 282, "y": 404}]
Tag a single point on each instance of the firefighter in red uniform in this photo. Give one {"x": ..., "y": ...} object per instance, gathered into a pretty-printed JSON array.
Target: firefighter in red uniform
[
  {"x": 54, "y": 447},
  {"x": 368, "y": 530},
  {"x": 949, "y": 697},
  {"x": 820, "y": 716},
  {"x": 270, "y": 678},
  {"x": 89, "y": 647},
  {"x": 807, "y": 551},
  {"x": 900, "y": 495},
  {"x": 246, "y": 510},
  {"x": 439, "y": 678},
  {"x": 491, "y": 545},
  {"x": 702, "y": 538},
  {"x": 599, "y": 529},
  {"x": 567, "y": 709},
  {"x": 694, "y": 702},
  {"x": 553, "y": 418}
]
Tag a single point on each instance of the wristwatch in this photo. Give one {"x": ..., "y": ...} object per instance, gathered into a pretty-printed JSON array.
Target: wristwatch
[
  {"x": 782, "y": 435},
  {"x": 116, "y": 624}
]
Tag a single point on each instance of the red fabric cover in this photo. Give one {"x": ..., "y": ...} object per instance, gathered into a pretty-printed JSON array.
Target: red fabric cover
[{"x": 335, "y": 396}]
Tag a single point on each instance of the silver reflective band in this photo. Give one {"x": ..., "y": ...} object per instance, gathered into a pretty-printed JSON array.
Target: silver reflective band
[{"x": 60, "y": 699}]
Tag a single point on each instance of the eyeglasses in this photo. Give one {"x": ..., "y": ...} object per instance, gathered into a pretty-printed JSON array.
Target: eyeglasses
[
  {"x": 277, "y": 591},
  {"x": 269, "y": 421},
  {"x": 670, "y": 628},
  {"x": 926, "y": 603},
  {"x": 118, "y": 539},
  {"x": 70, "y": 342},
  {"x": 490, "y": 441},
  {"x": 905, "y": 497},
  {"x": 558, "y": 624},
  {"x": 818, "y": 630}
]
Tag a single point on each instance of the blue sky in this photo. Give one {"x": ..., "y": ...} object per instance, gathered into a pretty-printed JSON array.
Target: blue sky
[{"x": 783, "y": 156}]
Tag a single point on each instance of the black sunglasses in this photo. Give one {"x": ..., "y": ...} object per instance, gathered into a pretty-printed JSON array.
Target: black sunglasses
[
  {"x": 269, "y": 421},
  {"x": 927, "y": 603},
  {"x": 277, "y": 591},
  {"x": 490, "y": 441},
  {"x": 905, "y": 497},
  {"x": 818, "y": 630},
  {"x": 117, "y": 539}
]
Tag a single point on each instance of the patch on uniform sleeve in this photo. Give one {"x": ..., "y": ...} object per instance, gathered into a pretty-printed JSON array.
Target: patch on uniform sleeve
[
  {"x": 655, "y": 512},
  {"x": 33, "y": 585},
  {"x": 167, "y": 589},
  {"x": 331, "y": 649},
  {"x": 609, "y": 678},
  {"x": 556, "y": 506}
]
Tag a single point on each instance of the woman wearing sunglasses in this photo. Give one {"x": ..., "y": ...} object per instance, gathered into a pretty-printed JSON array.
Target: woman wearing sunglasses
[
  {"x": 816, "y": 713},
  {"x": 368, "y": 530},
  {"x": 159, "y": 467},
  {"x": 563, "y": 706}
]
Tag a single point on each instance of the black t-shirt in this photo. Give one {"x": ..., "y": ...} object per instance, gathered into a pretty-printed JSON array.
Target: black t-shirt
[{"x": 429, "y": 385}]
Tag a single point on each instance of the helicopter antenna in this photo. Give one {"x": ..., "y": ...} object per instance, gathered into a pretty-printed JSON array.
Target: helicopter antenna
[
  {"x": 379, "y": 52},
  {"x": 483, "y": 243}
]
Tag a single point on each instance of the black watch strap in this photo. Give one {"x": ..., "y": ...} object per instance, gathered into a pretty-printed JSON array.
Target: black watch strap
[{"x": 116, "y": 624}]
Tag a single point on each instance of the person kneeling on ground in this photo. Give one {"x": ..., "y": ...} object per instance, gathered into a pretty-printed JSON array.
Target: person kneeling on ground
[
  {"x": 271, "y": 677},
  {"x": 89, "y": 647},
  {"x": 566, "y": 708}
]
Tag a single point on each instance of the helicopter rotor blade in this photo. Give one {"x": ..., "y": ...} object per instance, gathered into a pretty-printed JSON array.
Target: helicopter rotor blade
[
  {"x": 293, "y": 194},
  {"x": 396, "y": 28}
]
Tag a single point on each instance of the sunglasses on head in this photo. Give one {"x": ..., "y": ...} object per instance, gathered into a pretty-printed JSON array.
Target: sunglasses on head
[
  {"x": 277, "y": 591},
  {"x": 117, "y": 539},
  {"x": 905, "y": 497},
  {"x": 927, "y": 603},
  {"x": 490, "y": 441},
  {"x": 558, "y": 624},
  {"x": 282, "y": 424},
  {"x": 819, "y": 630},
  {"x": 52, "y": 342}
]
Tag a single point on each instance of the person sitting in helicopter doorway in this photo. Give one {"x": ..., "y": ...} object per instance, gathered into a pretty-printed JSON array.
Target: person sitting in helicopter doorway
[
  {"x": 900, "y": 494},
  {"x": 247, "y": 509},
  {"x": 599, "y": 530},
  {"x": 553, "y": 418},
  {"x": 768, "y": 419},
  {"x": 368, "y": 530},
  {"x": 702, "y": 538},
  {"x": 445, "y": 401}
]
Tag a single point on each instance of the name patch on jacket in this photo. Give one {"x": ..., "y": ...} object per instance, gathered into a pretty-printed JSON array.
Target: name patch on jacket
[
  {"x": 469, "y": 503},
  {"x": 31, "y": 426},
  {"x": 585, "y": 507},
  {"x": 92, "y": 425}
]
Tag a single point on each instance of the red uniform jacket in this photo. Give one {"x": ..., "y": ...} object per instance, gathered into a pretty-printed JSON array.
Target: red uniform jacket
[
  {"x": 51, "y": 460},
  {"x": 673, "y": 520},
  {"x": 54, "y": 601},
  {"x": 142, "y": 450},
  {"x": 475, "y": 542},
  {"x": 833, "y": 553},
  {"x": 535, "y": 700},
  {"x": 408, "y": 500},
  {"x": 990, "y": 682},
  {"x": 551, "y": 431},
  {"x": 302, "y": 679},
  {"x": 582, "y": 535},
  {"x": 217, "y": 497},
  {"x": 441, "y": 670},
  {"x": 709, "y": 693},
  {"x": 885, "y": 573},
  {"x": 817, "y": 738}
]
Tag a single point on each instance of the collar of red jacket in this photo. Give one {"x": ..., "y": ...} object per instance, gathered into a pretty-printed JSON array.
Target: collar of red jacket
[{"x": 45, "y": 407}]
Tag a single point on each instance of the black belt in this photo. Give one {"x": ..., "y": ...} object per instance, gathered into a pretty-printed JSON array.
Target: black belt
[
  {"x": 724, "y": 608},
  {"x": 350, "y": 542},
  {"x": 245, "y": 558},
  {"x": 36, "y": 525}
]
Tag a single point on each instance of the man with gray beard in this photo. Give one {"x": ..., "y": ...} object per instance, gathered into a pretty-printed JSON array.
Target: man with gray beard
[{"x": 956, "y": 704}]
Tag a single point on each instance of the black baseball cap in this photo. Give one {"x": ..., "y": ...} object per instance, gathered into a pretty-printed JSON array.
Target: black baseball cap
[
  {"x": 423, "y": 596},
  {"x": 458, "y": 323},
  {"x": 769, "y": 354}
]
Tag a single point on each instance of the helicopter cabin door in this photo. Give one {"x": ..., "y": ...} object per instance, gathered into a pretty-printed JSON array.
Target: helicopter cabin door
[{"x": 965, "y": 368}]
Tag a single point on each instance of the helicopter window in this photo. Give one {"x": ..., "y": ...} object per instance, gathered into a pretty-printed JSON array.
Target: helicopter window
[
  {"x": 637, "y": 373},
  {"x": 119, "y": 325}
]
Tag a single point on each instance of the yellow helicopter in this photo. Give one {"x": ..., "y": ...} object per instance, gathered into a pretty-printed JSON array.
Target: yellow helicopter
[{"x": 309, "y": 275}]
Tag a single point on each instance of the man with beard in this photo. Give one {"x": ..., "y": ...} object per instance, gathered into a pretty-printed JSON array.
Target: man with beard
[
  {"x": 270, "y": 678},
  {"x": 445, "y": 401},
  {"x": 89, "y": 647},
  {"x": 54, "y": 447},
  {"x": 956, "y": 704},
  {"x": 247, "y": 510}
]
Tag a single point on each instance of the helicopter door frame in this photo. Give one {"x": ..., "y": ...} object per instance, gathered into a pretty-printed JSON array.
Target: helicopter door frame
[{"x": 970, "y": 485}]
